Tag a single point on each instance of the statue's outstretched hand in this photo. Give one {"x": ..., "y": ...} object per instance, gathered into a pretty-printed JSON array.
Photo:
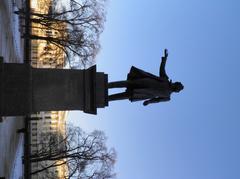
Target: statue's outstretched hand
[{"x": 165, "y": 53}]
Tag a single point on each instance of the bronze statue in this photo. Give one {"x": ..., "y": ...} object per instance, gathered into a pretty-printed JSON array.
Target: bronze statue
[{"x": 141, "y": 85}]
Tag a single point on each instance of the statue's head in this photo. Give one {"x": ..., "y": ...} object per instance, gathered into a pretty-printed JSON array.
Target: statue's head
[{"x": 177, "y": 87}]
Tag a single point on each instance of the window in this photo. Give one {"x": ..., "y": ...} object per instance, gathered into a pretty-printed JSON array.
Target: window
[
  {"x": 34, "y": 140},
  {"x": 34, "y": 124},
  {"x": 34, "y": 145}
]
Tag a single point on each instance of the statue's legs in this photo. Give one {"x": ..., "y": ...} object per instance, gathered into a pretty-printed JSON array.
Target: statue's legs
[
  {"x": 128, "y": 84},
  {"x": 118, "y": 84},
  {"x": 118, "y": 96}
]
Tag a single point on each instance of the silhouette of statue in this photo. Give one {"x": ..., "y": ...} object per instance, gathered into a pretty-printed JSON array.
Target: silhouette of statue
[{"x": 141, "y": 85}]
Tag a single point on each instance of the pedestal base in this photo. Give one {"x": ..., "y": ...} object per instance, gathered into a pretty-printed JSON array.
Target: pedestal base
[{"x": 25, "y": 90}]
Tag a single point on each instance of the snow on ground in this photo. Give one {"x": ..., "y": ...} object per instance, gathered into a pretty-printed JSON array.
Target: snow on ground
[
  {"x": 17, "y": 36},
  {"x": 17, "y": 168},
  {"x": 11, "y": 143}
]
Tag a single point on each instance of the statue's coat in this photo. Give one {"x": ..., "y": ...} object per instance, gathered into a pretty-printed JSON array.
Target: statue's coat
[{"x": 145, "y": 85}]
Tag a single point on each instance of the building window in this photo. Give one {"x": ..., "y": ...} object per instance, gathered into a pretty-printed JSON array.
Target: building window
[
  {"x": 34, "y": 140},
  {"x": 34, "y": 124},
  {"x": 34, "y": 145}
]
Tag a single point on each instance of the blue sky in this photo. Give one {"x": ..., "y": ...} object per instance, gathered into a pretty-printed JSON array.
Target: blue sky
[{"x": 196, "y": 134}]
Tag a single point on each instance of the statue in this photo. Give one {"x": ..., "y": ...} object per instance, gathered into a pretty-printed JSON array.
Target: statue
[
  {"x": 141, "y": 85},
  {"x": 25, "y": 90}
]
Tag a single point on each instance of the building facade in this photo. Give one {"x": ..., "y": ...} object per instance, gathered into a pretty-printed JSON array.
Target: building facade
[
  {"x": 43, "y": 126},
  {"x": 46, "y": 55}
]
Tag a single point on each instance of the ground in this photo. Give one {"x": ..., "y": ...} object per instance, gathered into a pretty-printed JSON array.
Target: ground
[{"x": 11, "y": 143}]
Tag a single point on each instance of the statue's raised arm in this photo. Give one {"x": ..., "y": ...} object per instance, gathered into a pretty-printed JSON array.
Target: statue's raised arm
[{"x": 162, "y": 71}]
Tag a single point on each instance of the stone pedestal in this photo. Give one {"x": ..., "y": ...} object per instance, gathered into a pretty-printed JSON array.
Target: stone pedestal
[{"x": 25, "y": 90}]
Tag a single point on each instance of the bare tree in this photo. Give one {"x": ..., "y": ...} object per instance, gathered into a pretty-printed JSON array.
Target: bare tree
[
  {"x": 83, "y": 155},
  {"x": 76, "y": 27}
]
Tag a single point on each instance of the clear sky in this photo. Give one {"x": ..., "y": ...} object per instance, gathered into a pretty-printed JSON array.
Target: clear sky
[{"x": 196, "y": 134}]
